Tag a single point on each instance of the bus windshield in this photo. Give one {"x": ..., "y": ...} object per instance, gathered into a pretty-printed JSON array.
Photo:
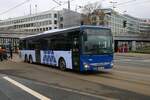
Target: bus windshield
[{"x": 97, "y": 41}]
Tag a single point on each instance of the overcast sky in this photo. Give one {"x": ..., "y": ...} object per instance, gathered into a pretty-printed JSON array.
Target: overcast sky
[{"x": 136, "y": 8}]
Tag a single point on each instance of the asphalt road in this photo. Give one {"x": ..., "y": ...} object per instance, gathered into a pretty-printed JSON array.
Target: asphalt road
[
  {"x": 129, "y": 80},
  {"x": 12, "y": 91},
  {"x": 133, "y": 61}
]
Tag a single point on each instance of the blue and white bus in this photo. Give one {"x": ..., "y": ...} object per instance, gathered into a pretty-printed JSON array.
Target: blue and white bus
[{"x": 81, "y": 48}]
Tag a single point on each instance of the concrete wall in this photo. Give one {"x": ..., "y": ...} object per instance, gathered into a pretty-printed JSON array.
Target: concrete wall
[{"x": 70, "y": 18}]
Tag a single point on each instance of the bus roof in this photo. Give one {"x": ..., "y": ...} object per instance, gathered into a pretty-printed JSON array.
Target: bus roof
[{"x": 57, "y": 31}]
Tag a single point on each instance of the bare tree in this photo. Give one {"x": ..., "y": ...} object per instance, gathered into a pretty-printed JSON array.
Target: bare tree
[{"x": 91, "y": 12}]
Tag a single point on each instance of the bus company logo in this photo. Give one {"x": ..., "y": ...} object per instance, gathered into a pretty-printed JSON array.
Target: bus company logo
[{"x": 49, "y": 58}]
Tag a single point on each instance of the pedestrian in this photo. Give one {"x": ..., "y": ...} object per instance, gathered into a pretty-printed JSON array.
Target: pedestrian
[
  {"x": 4, "y": 54},
  {"x": 11, "y": 55},
  {"x": 1, "y": 54}
]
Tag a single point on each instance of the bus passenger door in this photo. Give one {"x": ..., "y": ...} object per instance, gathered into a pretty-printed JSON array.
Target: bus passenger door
[
  {"x": 75, "y": 53},
  {"x": 37, "y": 53}
]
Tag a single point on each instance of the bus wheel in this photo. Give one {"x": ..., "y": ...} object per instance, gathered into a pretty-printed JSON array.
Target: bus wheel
[
  {"x": 62, "y": 64},
  {"x": 25, "y": 58},
  {"x": 30, "y": 59}
]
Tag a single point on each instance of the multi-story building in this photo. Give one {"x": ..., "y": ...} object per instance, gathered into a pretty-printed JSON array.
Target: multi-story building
[
  {"x": 68, "y": 18},
  {"x": 41, "y": 21},
  {"x": 119, "y": 23},
  {"x": 125, "y": 28},
  {"x": 145, "y": 26},
  {"x": 111, "y": 19},
  {"x": 31, "y": 23},
  {"x": 36, "y": 23},
  {"x": 133, "y": 24}
]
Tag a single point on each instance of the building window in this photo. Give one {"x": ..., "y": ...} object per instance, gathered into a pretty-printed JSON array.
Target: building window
[
  {"x": 43, "y": 29},
  {"x": 55, "y": 15},
  {"x": 49, "y": 16},
  {"x": 50, "y": 28},
  {"x": 61, "y": 26},
  {"x": 50, "y": 22},
  {"x": 55, "y": 27},
  {"x": 61, "y": 18},
  {"x": 55, "y": 21},
  {"x": 40, "y": 29}
]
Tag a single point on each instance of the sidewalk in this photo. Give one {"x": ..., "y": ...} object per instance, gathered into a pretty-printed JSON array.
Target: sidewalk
[
  {"x": 133, "y": 55},
  {"x": 16, "y": 58}
]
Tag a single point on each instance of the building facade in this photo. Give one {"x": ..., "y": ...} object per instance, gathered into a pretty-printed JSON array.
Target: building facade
[
  {"x": 119, "y": 23},
  {"x": 144, "y": 26},
  {"x": 41, "y": 21},
  {"x": 128, "y": 31},
  {"x": 13, "y": 28},
  {"x": 68, "y": 18},
  {"x": 32, "y": 23}
]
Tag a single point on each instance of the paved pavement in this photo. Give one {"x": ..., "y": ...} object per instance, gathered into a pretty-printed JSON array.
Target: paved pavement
[
  {"x": 137, "y": 55},
  {"x": 127, "y": 81},
  {"x": 118, "y": 85},
  {"x": 133, "y": 60},
  {"x": 12, "y": 88},
  {"x": 16, "y": 58}
]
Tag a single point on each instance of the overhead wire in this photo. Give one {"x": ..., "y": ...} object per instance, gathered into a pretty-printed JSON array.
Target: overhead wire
[
  {"x": 61, "y": 5},
  {"x": 130, "y": 2},
  {"x": 122, "y": 3},
  {"x": 138, "y": 2},
  {"x": 10, "y": 9}
]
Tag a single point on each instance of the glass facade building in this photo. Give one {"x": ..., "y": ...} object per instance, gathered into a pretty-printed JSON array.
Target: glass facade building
[{"x": 127, "y": 30}]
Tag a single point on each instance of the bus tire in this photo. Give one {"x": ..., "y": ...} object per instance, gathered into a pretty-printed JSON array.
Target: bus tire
[
  {"x": 30, "y": 59},
  {"x": 25, "y": 58},
  {"x": 62, "y": 64}
]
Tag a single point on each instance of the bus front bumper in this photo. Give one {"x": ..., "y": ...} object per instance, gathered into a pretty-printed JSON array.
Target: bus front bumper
[{"x": 88, "y": 67}]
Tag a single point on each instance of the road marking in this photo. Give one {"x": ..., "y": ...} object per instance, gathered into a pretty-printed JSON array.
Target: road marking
[
  {"x": 41, "y": 97},
  {"x": 23, "y": 87}
]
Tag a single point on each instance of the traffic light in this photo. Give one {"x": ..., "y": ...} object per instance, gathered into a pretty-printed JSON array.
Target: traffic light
[{"x": 124, "y": 23}]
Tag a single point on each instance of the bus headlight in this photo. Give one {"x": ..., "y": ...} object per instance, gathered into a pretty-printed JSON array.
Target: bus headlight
[
  {"x": 86, "y": 65},
  {"x": 111, "y": 64}
]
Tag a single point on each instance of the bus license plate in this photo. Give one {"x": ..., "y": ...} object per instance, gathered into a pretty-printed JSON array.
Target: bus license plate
[{"x": 100, "y": 68}]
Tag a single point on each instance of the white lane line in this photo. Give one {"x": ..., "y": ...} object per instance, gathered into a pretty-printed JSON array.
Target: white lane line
[
  {"x": 41, "y": 97},
  {"x": 23, "y": 87}
]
